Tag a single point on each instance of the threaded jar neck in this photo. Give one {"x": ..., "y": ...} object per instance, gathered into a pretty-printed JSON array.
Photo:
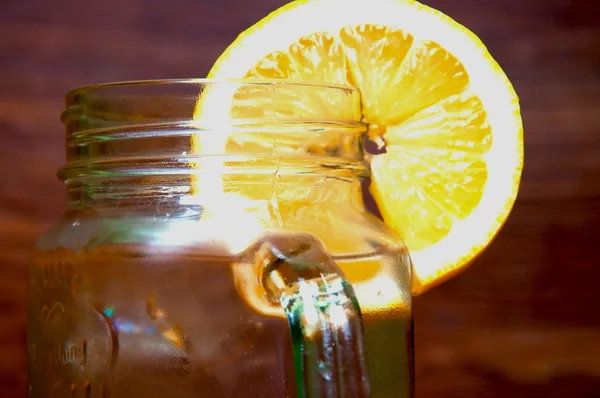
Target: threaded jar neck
[
  {"x": 205, "y": 126},
  {"x": 197, "y": 137}
]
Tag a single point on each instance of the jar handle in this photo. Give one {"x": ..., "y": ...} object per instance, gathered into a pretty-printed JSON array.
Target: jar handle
[{"x": 323, "y": 316}]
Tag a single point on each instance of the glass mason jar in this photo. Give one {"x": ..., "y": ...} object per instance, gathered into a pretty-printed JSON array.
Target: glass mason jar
[{"x": 216, "y": 244}]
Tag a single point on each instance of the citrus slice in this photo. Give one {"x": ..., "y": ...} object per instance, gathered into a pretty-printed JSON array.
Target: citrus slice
[{"x": 443, "y": 112}]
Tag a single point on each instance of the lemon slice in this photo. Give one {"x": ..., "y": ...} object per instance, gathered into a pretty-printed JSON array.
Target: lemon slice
[{"x": 433, "y": 97}]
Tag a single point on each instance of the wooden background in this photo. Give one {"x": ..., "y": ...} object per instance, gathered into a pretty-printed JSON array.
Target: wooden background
[{"x": 522, "y": 322}]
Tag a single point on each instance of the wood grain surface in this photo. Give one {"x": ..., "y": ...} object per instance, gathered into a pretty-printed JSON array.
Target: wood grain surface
[{"x": 523, "y": 321}]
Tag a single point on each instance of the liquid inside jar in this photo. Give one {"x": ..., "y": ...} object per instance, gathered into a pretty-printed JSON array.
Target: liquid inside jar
[{"x": 134, "y": 320}]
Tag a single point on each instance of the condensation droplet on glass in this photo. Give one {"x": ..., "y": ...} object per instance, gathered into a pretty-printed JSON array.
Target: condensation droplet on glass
[
  {"x": 169, "y": 330},
  {"x": 151, "y": 308},
  {"x": 87, "y": 387},
  {"x": 325, "y": 370}
]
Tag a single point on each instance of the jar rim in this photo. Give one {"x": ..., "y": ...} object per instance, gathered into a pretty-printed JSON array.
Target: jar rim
[
  {"x": 81, "y": 90},
  {"x": 167, "y": 126}
]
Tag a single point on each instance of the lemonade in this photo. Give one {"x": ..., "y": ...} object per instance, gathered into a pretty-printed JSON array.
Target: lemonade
[
  {"x": 216, "y": 242},
  {"x": 252, "y": 270}
]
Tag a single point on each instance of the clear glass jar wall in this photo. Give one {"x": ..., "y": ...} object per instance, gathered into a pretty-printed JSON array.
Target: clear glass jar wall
[{"x": 216, "y": 244}]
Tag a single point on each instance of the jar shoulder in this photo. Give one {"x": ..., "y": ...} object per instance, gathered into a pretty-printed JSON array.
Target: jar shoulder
[{"x": 343, "y": 230}]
